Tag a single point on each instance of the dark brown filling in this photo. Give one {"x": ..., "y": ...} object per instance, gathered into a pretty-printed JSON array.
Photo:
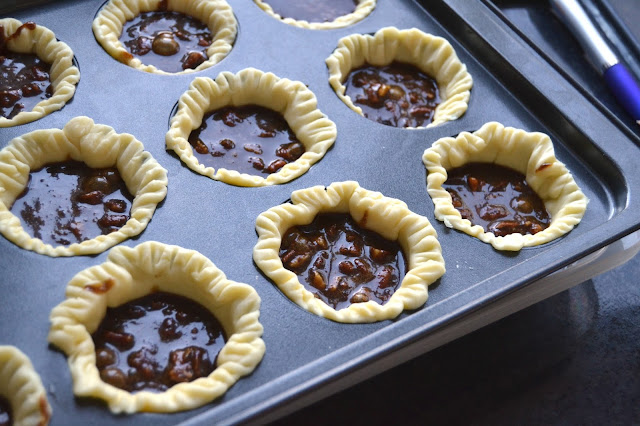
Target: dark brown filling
[
  {"x": 69, "y": 202},
  {"x": 6, "y": 416},
  {"x": 170, "y": 41},
  {"x": 313, "y": 10},
  {"x": 157, "y": 341},
  {"x": 342, "y": 263},
  {"x": 24, "y": 78},
  {"x": 397, "y": 94},
  {"x": 249, "y": 139},
  {"x": 497, "y": 198}
]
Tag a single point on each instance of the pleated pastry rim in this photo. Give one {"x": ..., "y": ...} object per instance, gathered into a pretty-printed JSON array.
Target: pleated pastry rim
[
  {"x": 362, "y": 10},
  {"x": 433, "y": 55},
  {"x": 216, "y": 14},
  {"x": 530, "y": 153},
  {"x": 130, "y": 273},
  {"x": 292, "y": 99},
  {"x": 96, "y": 145},
  {"x": 20, "y": 384},
  {"x": 389, "y": 217},
  {"x": 63, "y": 74}
]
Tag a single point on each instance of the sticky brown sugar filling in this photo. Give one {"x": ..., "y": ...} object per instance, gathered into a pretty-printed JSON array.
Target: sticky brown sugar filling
[
  {"x": 157, "y": 341},
  {"x": 497, "y": 198},
  {"x": 341, "y": 262},
  {"x": 69, "y": 202}
]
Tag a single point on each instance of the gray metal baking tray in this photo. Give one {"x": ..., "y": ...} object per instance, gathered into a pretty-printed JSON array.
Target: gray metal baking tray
[{"x": 308, "y": 356}]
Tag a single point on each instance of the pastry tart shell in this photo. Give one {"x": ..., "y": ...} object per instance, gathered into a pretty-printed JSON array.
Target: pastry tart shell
[
  {"x": 292, "y": 99},
  {"x": 389, "y": 217},
  {"x": 130, "y": 273},
  {"x": 97, "y": 146},
  {"x": 431, "y": 54},
  {"x": 530, "y": 153}
]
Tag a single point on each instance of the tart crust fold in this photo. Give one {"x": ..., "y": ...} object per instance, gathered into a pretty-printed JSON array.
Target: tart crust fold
[
  {"x": 531, "y": 154},
  {"x": 64, "y": 75},
  {"x": 389, "y": 217},
  {"x": 362, "y": 10},
  {"x": 97, "y": 146},
  {"x": 132, "y": 273},
  {"x": 20, "y": 384},
  {"x": 433, "y": 55},
  {"x": 292, "y": 99},
  {"x": 216, "y": 14}
]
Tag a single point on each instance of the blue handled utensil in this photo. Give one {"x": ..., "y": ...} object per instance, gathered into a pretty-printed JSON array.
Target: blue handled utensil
[{"x": 617, "y": 77}]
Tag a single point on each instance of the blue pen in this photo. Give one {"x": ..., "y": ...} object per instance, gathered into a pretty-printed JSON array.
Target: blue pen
[{"x": 617, "y": 77}]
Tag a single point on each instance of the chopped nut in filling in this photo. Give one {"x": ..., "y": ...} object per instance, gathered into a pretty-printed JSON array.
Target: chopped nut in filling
[
  {"x": 171, "y": 41},
  {"x": 24, "y": 77},
  {"x": 497, "y": 198},
  {"x": 397, "y": 94},
  {"x": 249, "y": 139},
  {"x": 342, "y": 263},
  {"x": 157, "y": 341},
  {"x": 69, "y": 202}
]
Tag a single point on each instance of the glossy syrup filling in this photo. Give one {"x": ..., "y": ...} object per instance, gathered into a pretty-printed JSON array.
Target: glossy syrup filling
[
  {"x": 170, "y": 41},
  {"x": 249, "y": 139},
  {"x": 398, "y": 94},
  {"x": 6, "y": 415},
  {"x": 313, "y": 10},
  {"x": 342, "y": 263},
  {"x": 157, "y": 341},
  {"x": 497, "y": 198},
  {"x": 24, "y": 78},
  {"x": 69, "y": 202}
]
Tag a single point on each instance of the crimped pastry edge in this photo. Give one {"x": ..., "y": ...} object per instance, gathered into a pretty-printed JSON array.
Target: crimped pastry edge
[
  {"x": 389, "y": 217},
  {"x": 217, "y": 14},
  {"x": 64, "y": 75},
  {"x": 362, "y": 10},
  {"x": 530, "y": 153},
  {"x": 96, "y": 145},
  {"x": 431, "y": 54},
  {"x": 292, "y": 99},
  {"x": 135, "y": 272}
]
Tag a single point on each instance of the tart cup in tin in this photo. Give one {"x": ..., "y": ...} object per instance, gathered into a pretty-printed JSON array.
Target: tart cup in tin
[{"x": 530, "y": 153}]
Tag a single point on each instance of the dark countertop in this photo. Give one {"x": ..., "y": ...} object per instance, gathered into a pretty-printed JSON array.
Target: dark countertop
[{"x": 571, "y": 359}]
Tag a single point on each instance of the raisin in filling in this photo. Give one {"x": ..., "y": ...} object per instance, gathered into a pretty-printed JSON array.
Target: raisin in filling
[
  {"x": 24, "y": 78},
  {"x": 342, "y": 263},
  {"x": 157, "y": 341},
  {"x": 170, "y": 41},
  {"x": 397, "y": 94},
  {"x": 69, "y": 202},
  {"x": 249, "y": 139},
  {"x": 313, "y": 10},
  {"x": 6, "y": 416},
  {"x": 497, "y": 198}
]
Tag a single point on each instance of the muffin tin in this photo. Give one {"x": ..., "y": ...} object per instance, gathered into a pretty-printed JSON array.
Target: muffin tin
[{"x": 306, "y": 355}]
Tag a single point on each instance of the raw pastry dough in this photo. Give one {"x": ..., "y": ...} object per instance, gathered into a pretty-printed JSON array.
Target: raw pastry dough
[
  {"x": 389, "y": 217},
  {"x": 531, "y": 154},
  {"x": 63, "y": 74},
  {"x": 432, "y": 55},
  {"x": 292, "y": 99},
  {"x": 96, "y": 145},
  {"x": 362, "y": 10},
  {"x": 217, "y": 14},
  {"x": 22, "y": 387},
  {"x": 133, "y": 273}
]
